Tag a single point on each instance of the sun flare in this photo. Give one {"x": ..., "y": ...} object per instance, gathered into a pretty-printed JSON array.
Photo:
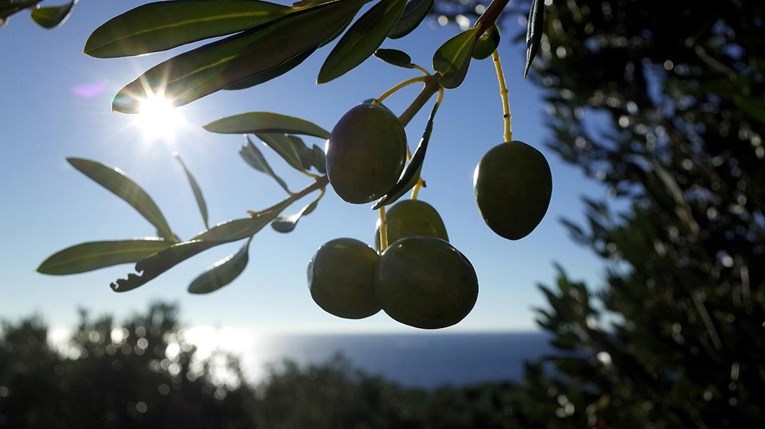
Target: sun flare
[{"x": 158, "y": 119}]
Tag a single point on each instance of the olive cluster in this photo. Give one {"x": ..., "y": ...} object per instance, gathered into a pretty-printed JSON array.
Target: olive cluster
[{"x": 420, "y": 279}]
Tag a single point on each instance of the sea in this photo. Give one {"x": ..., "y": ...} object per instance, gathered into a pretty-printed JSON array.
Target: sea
[{"x": 420, "y": 360}]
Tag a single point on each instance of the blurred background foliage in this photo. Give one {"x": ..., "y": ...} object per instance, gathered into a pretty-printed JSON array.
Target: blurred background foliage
[
  {"x": 142, "y": 373},
  {"x": 662, "y": 102}
]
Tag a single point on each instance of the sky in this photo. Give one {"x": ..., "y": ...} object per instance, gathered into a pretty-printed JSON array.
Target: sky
[{"x": 55, "y": 103}]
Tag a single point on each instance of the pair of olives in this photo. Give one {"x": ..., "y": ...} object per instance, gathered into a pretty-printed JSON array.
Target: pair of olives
[
  {"x": 420, "y": 280},
  {"x": 366, "y": 153}
]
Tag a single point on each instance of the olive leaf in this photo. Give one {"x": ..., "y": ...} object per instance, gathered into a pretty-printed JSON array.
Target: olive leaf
[
  {"x": 265, "y": 122},
  {"x": 362, "y": 39},
  {"x": 99, "y": 254},
  {"x": 534, "y": 31},
  {"x": 411, "y": 173},
  {"x": 453, "y": 58},
  {"x": 487, "y": 43},
  {"x": 151, "y": 267},
  {"x": 222, "y": 272},
  {"x": 122, "y": 186},
  {"x": 319, "y": 159},
  {"x": 164, "y": 25},
  {"x": 309, "y": 157},
  {"x": 271, "y": 73},
  {"x": 255, "y": 159},
  {"x": 51, "y": 17},
  {"x": 288, "y": 223},
  {"x": 156, "y": 264},
  {"x": 414, "y": 13},
  {"x": 197, "y": 192},
  {"x": 238, "y": 229},
  {"x": 9, "y": 7},
  {"x": 239, "y": 58},
  {"x": 395, "y": 57},
  {"x": 286, "y": 147}
]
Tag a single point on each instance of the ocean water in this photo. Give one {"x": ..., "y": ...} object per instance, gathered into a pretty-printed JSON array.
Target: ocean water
[{"x": 415, "y": 360}]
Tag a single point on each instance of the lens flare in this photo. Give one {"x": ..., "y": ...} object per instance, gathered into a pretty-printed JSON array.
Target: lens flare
[{"x": 158, "y": 119}]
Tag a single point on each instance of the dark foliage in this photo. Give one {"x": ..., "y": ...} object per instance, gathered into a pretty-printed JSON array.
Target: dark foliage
[
  {"x": 661, "y": 101},
  {"x": 140, "y": 374}
]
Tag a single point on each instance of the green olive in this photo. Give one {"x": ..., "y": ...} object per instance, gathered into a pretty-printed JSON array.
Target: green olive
[
  {"x": 341, "y": 277},
  {"x": 412, "y": 218},
  {"x": 513, "y": 186},
  {"x": 366, "y": 153},
  {"x": 426, "y": 283}
]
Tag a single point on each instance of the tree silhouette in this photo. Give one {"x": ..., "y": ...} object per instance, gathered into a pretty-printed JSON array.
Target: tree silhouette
[
  {"x": 660, "y": 101},
  {"x": 139, "y": 374}
]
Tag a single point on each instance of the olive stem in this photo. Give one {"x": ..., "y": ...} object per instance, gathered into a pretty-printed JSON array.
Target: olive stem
[
  {"x": 490, "y": 15},
  {"x": 398, "y": 87},
  {"x": 416, "y": 188},
  {"x": 507, "y": 116},
  {"x": 319, "y": 183},
  {"x": 432, "y": 86},
  {"x": 383, "y": 229},
  {"x": 420, "y": 69}
]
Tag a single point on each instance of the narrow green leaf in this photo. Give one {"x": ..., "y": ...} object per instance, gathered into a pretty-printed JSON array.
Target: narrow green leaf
[
  {"x": 156, "y": 264},
  {"x": 395, "y": 57},
  {"x": 534, "y": 31},
  {"x": 51, "y": 17},
  {"x": 411, "y": 173},
  {"x": 14, "y": 4},
  {"x": 222, "y": 272},
  {"x": 197, "y": 192},
  {"x": 238, "y": 58},
  {"x": 122, "y": 186},
  {"x": 10, "y": 7},
  {"x": 414, "y": 13},
  {"x": 99, "y": 254},
  {"x": 307, "y": 155},
  {"x": 319, "y": 159},
  {"x": 255, "y": 159},
  {"x": 453, "y": 58},
  {"x": 487, "y": 43},
  {"x": 238, "y": 229},
  {"x": 288, "y": 223},
  {"x": 271, "y": 73},
  {"x": 362, "y": 39},
  {"x": 164, "y": 25},
  {"x": 265, "y": 122},
  {"x": 285, "y": 147}
]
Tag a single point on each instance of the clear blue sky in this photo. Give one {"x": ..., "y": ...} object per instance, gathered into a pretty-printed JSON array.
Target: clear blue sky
[{"x": 46, "y": 116}]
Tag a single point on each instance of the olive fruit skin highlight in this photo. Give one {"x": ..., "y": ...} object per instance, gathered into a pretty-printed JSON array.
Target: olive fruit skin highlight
[
  {"x": 412, "y": 218},
  {"x": 341, "y": 278},
  {"x": 366, "y": 153},
  {"x": 426, "y": 283}
]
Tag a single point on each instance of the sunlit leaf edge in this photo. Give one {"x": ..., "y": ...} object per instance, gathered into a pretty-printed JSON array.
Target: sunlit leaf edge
[
  {"x": 222, "y": 273},
  {"x": 265, "y": 122},
  {"x": 163, "y": 25},
  {"x": 118, "y": 183},
  {"x": 94, "y": 255}
]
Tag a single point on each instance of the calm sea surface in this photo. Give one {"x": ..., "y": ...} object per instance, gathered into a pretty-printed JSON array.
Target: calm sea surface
[{"x": 418, "y": 360}]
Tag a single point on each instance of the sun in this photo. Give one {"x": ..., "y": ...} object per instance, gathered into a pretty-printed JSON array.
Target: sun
[{"x": 158, "y": 119}]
